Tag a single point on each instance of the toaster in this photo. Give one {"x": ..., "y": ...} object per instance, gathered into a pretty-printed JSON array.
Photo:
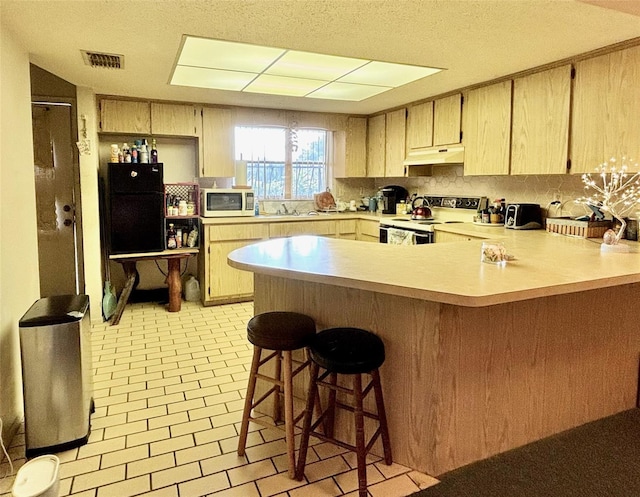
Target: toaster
[{"x": 523, "y": 217}]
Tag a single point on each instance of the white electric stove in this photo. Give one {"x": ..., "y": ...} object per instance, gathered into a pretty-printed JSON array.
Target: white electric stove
[{"x": 406, "y": 231}]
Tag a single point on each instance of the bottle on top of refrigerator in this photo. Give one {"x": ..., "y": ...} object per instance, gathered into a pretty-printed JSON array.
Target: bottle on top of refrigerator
[
  {"x": 144, "y": 154},
  {"x": 126, "y": 153},
  {"x": 134, "y": 154},
  {"x": 154, "y": 152}
]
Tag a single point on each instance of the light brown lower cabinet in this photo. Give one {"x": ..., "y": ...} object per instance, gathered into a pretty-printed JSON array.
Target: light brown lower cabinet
[
  {"x": 368, "y": 230},
  {"x": 222, "y": 284},
  {"x": 347, "y": 228}
]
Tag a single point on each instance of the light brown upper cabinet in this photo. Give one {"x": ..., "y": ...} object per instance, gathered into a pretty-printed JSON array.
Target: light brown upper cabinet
[
  {"x": 606, "y": 109},
  {"x": 446, "y": 120},
  {"x": 356, "y": 148},
  {"x": 125, "y": 116},
  {"x": 376, "y": 149},
  {"x": 218, "y": 142},
  {"x": 487, "y": 130},
  {"x": 540, "y": 125},
  {"x": 419, "y": 126},
  {"x": 395, "y": 143},
  {"x": 175, "y": 119}
]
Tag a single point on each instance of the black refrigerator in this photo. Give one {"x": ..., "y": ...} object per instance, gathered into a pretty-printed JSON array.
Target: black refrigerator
[{"x": 136, "y": 208}]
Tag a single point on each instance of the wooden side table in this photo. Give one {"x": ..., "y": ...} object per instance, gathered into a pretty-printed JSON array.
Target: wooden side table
[{"x": 174, "y": 282}]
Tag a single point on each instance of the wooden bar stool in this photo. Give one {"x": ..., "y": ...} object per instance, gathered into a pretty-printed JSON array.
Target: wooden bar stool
[
  {"x": 281, "y": 333},
  {"x": 352, "y": 352}
]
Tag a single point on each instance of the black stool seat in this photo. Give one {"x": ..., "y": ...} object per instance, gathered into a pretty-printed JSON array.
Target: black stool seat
[
  {"x": 347, "y": 350},
  {"x": 280, "y": 330}
]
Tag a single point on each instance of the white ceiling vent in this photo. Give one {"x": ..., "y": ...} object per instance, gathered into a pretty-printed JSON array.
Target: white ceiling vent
[{"x": 106, "y": 60}]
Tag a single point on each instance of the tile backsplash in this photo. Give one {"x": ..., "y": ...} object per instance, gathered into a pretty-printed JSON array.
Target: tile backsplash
[{"x": 449, "y": 180}]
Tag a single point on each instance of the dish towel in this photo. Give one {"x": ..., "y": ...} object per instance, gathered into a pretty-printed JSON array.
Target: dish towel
[{"x": 400, "y": 237}]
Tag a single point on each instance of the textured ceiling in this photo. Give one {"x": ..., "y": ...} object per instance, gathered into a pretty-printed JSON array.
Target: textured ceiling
[{"x": 475, "y": 40}]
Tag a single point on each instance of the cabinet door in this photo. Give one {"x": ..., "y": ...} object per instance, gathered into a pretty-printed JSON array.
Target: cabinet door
[
  {"x": 176, "y": 120},
  {"x": 419, "y": 126},
  {"x": 487, "y": 130},
  {"x": 125, "y": 116},
  {"x": 446, "y": 120},
  {"x": 356, "y": 148},
  {"x": 606, "y": 106},
  {"x": 540, "y": 124},
  {"x": 368, "y": 230},
  {"x": 223, "y": 282},
  {"x": 376, "y": 137},
  {"x": 395, "y": 143},
  {"x": 218, "y": 142},
  {"x": 347, "y": 229}
]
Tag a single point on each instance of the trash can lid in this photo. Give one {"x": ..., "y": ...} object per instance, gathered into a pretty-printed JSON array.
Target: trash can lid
[
  {"x": 57, "y": 309},
  {"x": 36, "y": 476}
]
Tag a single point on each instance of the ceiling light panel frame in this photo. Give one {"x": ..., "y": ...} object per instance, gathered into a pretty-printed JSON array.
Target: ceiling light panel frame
[{"x": 225, "y": 65}]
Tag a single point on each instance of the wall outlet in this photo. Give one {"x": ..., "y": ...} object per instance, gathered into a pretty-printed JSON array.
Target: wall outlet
[{"x": 361, "y": 191}]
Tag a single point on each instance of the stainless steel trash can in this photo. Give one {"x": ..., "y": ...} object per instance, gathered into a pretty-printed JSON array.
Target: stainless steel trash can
[{"x": 55, "y": 347}]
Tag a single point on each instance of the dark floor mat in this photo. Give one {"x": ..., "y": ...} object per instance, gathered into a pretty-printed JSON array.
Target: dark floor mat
[{"x": 598, "y": 459}]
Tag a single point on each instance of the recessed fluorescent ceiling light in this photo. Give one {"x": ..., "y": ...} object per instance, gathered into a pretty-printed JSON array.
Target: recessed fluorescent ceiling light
[
  {"x": 225, "y": 65},
  {"x": 281, "y": 85},
  {"x": 347, "y": 91},
  {"x": 202, "y": 77}
]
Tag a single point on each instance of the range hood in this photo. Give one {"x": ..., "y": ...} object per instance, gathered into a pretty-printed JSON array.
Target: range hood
[{"x": 451, "y": 154}]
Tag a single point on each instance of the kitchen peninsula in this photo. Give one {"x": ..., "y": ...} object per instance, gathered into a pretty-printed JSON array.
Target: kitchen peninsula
[{"x": 480, "y": 358}]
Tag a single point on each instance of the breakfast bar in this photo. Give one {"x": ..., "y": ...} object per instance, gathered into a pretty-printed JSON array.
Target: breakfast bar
[{"x": 481, "y": 358}]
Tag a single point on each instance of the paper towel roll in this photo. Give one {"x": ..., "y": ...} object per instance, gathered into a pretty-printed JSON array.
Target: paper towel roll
[{"x": 241, "y": 173}]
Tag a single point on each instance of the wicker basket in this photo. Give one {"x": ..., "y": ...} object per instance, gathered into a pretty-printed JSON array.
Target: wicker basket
[{"x": 572, "y": 227}]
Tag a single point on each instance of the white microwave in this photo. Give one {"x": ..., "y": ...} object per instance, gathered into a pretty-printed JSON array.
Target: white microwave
[{"x": 226, "y": 202}]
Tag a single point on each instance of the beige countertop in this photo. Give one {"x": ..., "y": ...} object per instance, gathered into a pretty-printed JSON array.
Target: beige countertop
[{"x": 545, "y": 264}]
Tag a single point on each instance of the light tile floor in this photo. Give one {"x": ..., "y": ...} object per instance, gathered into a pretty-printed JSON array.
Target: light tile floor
[{"x": 169, "y": 390}]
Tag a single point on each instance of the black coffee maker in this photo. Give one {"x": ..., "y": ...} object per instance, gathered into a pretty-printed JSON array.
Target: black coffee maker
[{"x": 391, "y": 195}]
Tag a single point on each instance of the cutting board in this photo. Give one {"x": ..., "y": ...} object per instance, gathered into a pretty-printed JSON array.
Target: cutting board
[{"x": 324, "y": 201}]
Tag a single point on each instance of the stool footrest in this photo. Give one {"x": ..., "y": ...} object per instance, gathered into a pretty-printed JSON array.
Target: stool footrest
[
  {"x": 264, "y": 397},
  {"x": 340, "y": 388},
  {"x": 268, "y": 424},
  {"x": 344, "y": 445},
  {"x": 366, "y": 414}
]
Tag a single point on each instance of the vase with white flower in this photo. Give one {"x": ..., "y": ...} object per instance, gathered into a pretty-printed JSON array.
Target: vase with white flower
[{"x": 618, "y": 195}]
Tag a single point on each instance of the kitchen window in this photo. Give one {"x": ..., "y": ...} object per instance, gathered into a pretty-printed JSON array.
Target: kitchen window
[{"x": 283, "y": 163}]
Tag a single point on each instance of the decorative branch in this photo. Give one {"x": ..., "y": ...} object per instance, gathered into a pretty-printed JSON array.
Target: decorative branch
[{"x": 619, "y": 193}]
